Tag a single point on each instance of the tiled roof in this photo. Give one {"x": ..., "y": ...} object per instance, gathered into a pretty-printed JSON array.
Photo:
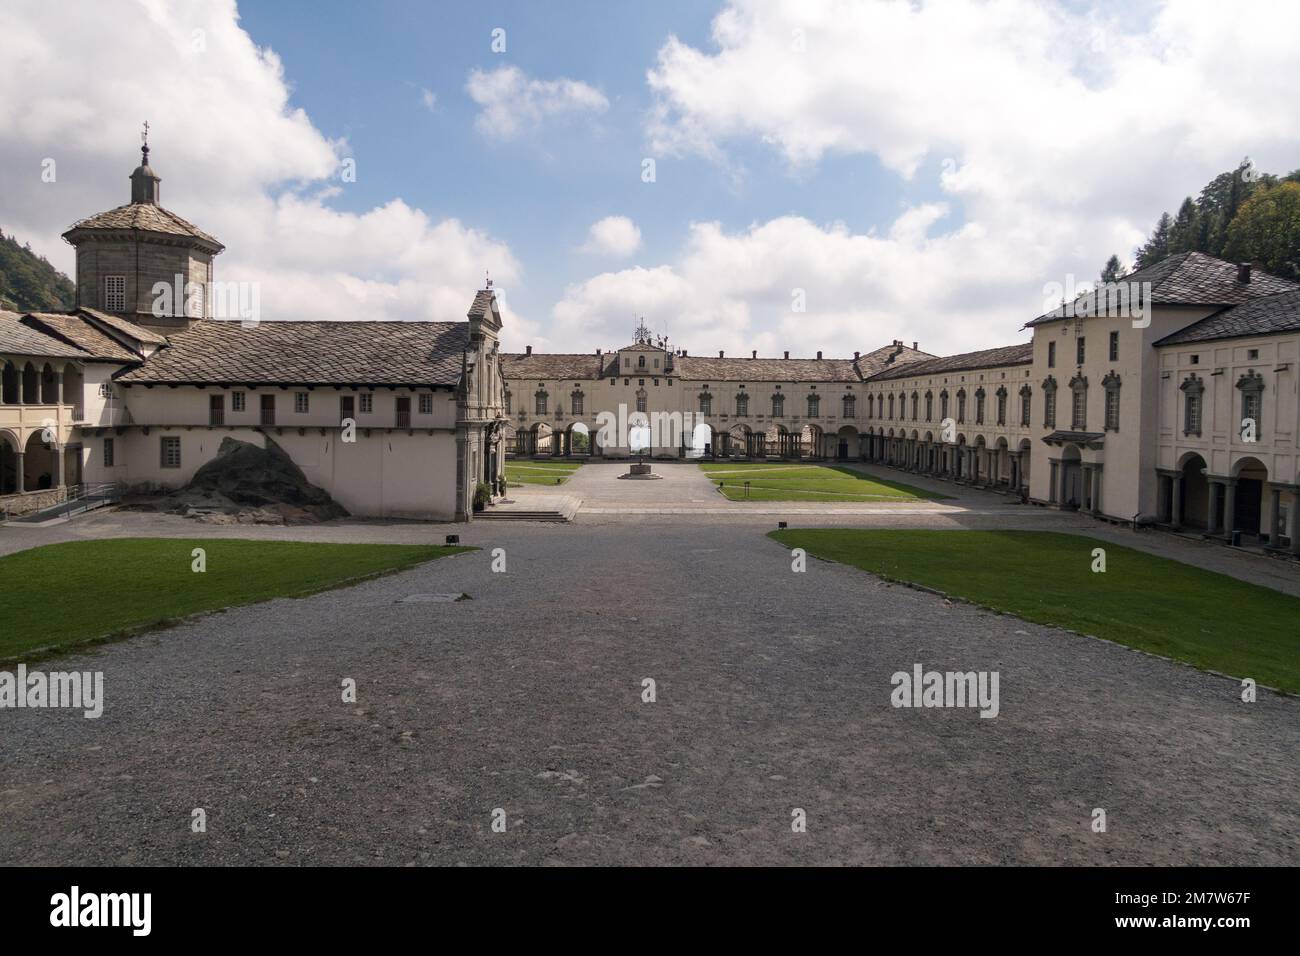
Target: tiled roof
[
  {"x": 557, "y": 366},
  {"x": 216, "y": 351},
  {"x": 873, "y": 363},
  {"x": 137, "y": 332},
  {"x": 143, "y": 215},
  {"x": 987, "y": 358},
  {"x": 82, "y": 333},
  {"x": 764, "y": 370},
  {"x": 1194, "y": 278},
  {"x": 16, "y": 338},
  {"x": 1266, "y": 316}
]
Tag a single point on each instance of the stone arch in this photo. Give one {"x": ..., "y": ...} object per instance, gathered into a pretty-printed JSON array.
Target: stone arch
[
  {"x": 31, "y": 385},
  {"x": 10, "y": 383},
  {"x": 813, "y": 441},
  {"x": 578, "y": 439},
  {"x": 40, "y": 463},
  {"x": 1250, "y": 492},
  {"x": 49, "y": 386},
  {"x": 741, "y": 440},
  {"x": 1194, "y": 504},
  {"x": 848, "y": 444},
  {"x": 8, "y": 462}
]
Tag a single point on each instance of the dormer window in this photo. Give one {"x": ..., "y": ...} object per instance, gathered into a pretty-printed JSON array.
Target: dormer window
[{"x": 114, "y": 293}]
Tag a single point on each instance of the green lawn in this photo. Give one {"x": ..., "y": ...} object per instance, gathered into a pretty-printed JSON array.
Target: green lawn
[
  {"x": 1155, "y": 604},
  {"x": 61, "y": 595},
  {"x": 804, "y": 482},
  {"x": 526, "y": 471}
]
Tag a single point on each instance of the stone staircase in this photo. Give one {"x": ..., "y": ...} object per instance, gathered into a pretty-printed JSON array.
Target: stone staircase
[{"x": 530, "y": 507}]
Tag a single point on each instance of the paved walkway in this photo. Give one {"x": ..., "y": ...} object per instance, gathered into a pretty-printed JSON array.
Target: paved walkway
[{"x": 772, "y": 694}]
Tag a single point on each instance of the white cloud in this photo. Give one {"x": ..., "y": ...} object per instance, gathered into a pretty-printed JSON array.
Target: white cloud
[
  {"x": 613, "y": 236},
  {"x": 512, "y": 102},
  {"x": 1061, "y": 136},
  {"x": 234, "y": 156},
  {"x": 428, "y": 99}
]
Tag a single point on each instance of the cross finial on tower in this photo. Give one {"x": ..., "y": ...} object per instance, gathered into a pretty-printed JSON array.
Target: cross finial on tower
[
  {"x": 489, "y": 279},
  {"x": 144, "y": 144}
]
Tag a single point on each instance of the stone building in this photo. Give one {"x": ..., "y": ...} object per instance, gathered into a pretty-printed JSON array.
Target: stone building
[{"x": 138, "y": 385}]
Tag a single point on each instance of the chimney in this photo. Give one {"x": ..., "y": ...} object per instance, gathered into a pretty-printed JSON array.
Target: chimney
[
  {"x": 683, "y": 353},
  {"x": 787, "y": 354},
  {"x": 720, "y": 355},
  {"x": 914, "y": 348},
  {"x": 819, "y": 356},
  {"x": 855, "y": 356},
  {"x": 754, "y": 354},
  {"x": 528, "y": 350},
  {"x": 598, "y": 352},
  {"x": 1243, "y": 272}
]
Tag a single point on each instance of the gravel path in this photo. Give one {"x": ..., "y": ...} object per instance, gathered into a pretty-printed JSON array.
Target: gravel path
[{"x": 772, "y": 694}]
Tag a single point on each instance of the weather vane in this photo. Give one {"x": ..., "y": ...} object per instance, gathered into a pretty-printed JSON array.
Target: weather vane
[{"x": 642, "y": 333}]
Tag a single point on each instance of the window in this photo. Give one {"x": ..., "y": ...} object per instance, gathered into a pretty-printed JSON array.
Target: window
[
  {"x": 216, "y": 409},
  {"x": 916, "y": 405},
  {"x": 1049, "y": 402},
  {"x": 237, "y": 401},
  {"x": 403, "y": 419},
  {"x": 850, "y": 406},
  {"x": 640, "y": 361},
  {"x": 1002, "y": 405},
  {"x": 1051, "y": 355},
  {"x": 814, "y": 406},
  {"x": 656, "y": 363},
  {"x": 301, "y": 403},
  {"x": 1079, "y": 403},
  {"x": 961, "y": 406},
  {"x": 627, "y": 361},
  {"x": 742, "y": 403},
  {"x": 1196, "y": 360},
  {"x": 1114, "y": 346},
  {"x": 1111, "y": 384},
  {"x": 108, "y": 453},
  {"x": 1192, "y": 388},
  {"x": 426, "y": 403},
  {"x": 891, "y": 407},
  {"x": 1026, "y": 403},
  {"x": 170, "y": 451},
  {"x": 943, "y": 404},
  {"x": 367, "y": 403},
  {"x": 640, "y": 401},
  {"x": 539, "y": 403},
  {"x": 1078, "y": 347},
  {"x": 979, "y": 406},
  {"x": 508, "y": 400},
  {"x": 347, "y": 408},
  {"x": 268, "y": 409},
  {"x": 576, "y": 403},
  {"x": 1252, "y": 354},
  {"x": 871, "y": 406},
  {"x": 929, "y": 406},
  {"x": 706, "y": 403},
  {"x": 778, "y": 405},
  {"x": 1251, "y": 386},
  {"x": 114, "y": 293}
]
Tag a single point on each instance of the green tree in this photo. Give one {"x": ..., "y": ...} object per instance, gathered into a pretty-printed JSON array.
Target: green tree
[
  {"x": 1112, "y": 271},
  {"x": 1266, "y": 228},
  {"x": 1183, "y": 235},
  {"x": 1157, "y": 247}
]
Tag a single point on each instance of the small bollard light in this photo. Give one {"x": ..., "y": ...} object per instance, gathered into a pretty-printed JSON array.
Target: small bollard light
[
  {"x": 453, "y": 539},
  {"x": 780, "y": 524}
]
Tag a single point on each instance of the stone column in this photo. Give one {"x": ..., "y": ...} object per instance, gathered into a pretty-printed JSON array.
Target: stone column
[
  {"x": 1176, "y": 503},
  {"x": 1275, "y": 519},
  {"x": 1293, "y": 521},
  {"x": 58, "y": 388},
  {"x": 19, "y": 488},
  {"x": 56, "y": 466},
  {"x": 1229, "y": 507},
  {"x": 1096, "y": 489},
  {"x": 1055, "y": 468},
  {"x": 1212, "y": 521}
]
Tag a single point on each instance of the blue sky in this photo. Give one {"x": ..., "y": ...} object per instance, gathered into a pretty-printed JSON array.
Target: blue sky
[
  {"x": 360, "y": 72},
  {"x": 831, "y": 174}
]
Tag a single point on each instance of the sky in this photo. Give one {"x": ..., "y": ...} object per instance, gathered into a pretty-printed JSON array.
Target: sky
[{"x": 827, "y": 176}]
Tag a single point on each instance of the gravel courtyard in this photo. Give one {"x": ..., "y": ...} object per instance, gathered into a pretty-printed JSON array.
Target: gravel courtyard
[{"x": 772, "y": 694}]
